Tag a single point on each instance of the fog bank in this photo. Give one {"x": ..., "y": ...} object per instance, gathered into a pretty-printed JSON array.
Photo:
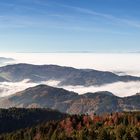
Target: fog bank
[{"x": 120, "y": 89}]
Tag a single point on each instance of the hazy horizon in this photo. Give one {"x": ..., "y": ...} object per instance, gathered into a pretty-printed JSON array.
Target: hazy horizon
[{"x": 115, "y": 62}]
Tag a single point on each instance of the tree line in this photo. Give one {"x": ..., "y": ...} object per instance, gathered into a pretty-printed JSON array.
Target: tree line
[{"x": 114, "y": 126}]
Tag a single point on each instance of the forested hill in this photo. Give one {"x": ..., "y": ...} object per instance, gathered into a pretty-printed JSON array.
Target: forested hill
[
  {"x": 116, "y": 126},
  {"x": 13, "y": 118}
]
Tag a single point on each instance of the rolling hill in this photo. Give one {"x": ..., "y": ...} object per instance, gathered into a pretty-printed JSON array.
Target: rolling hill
[{"x": 43, "y": 96}]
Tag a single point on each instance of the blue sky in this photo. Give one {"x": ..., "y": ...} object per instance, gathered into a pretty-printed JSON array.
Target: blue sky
[{"x": 69, "y": 25}]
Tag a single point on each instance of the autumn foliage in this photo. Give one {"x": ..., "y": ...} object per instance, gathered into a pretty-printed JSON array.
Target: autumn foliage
[{"x": 114, "y": 126}]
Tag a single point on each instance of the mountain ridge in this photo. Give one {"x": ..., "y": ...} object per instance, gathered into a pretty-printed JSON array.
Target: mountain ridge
[
  {"x": 66, "y": 75},
  {"x": 43, "y": 96}
]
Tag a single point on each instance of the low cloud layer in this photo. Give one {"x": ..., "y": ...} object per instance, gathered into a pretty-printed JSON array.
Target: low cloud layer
[
  {"x": 120, "y": 89},
  {"x": 9, "y": 88}
]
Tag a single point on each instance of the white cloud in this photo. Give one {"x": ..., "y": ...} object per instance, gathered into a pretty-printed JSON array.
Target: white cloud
[
  {"x": 9, "y": 88},
  {"x": 51, "y": 83},
  {"x": 121, "y": 89},
  {"x": 109, "y": 17}
]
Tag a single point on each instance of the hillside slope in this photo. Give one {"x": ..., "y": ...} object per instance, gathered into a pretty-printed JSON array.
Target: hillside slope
[
  {"x": 43, "y": 96},
  {"x": 116, "y": 126},
  {"x": 14, "y": 118}
]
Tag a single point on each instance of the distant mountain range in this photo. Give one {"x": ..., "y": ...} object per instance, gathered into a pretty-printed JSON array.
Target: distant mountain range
[
  {"x": 66, "y": 75},
  {"x": 4, "y": 59},
  {"x": 43, "y": 96}
]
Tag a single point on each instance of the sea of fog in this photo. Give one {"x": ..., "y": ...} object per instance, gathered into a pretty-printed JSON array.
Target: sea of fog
[{"x": 119, "y": 63}]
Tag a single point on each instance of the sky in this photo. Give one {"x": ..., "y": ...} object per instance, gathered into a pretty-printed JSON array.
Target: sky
[{"x": 69, "y": 25}]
